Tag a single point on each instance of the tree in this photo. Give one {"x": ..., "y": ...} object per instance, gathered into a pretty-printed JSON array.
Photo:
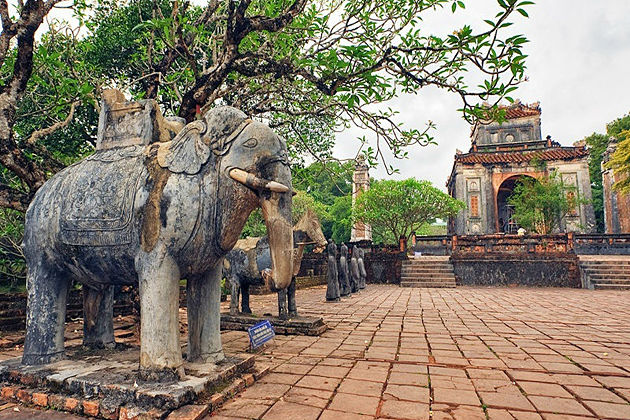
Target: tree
[
  {"x": 395, "y": 209},
  {"x": 620, "y": 163},
  {"x": 307, "y": 67},
  {"x": 302, "y": 201},
  {"x": 597, "y": 144},
  {"x": 541, "y": 204},
  {"x": 340, "y": 219}
]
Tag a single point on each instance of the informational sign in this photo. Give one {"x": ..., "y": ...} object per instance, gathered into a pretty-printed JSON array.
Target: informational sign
[{"x": 260, "y": 333}]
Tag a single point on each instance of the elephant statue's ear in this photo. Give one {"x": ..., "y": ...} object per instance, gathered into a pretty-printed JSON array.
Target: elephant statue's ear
[{"x": 187, "y": 152}]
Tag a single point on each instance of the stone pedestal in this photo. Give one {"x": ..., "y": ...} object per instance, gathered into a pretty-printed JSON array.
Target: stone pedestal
[
  {"x": 300, "y": 325},
  {"x": 105, "y": 383}
]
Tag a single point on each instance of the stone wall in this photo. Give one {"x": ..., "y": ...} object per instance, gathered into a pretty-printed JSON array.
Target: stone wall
[
  {"x": 506, "y": 260},
  {"x": 531, "y": 260},
  {"x": 601, "y": 244},
  {"x": 13, "y": 307},
  {"x": 382, "y": 263}
]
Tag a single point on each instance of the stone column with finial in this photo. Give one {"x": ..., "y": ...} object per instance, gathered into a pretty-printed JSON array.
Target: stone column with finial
[{"x": 360, "y": 183}]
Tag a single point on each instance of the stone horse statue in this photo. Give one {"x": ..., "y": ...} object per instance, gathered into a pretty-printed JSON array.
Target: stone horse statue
[
  {"x": 149, "y": 207},
  {"x": 247, "y": 263}
]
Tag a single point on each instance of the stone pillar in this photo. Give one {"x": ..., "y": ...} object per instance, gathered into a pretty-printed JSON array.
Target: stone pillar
[{"x": 360, "y": 183}]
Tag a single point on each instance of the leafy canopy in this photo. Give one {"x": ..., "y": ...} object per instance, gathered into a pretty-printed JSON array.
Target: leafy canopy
[
  {"x": 540, "y": 204},
  {"x": 395, "y": 209}
]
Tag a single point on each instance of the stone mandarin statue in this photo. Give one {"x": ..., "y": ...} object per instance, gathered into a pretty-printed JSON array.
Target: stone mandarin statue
[
  {"x": 362, "y": 272},
  {"x": 154, "y": 204},
  {"x": 355, "y": 273},
  {"x": 332, "y": 290},
  {"x": 343, "y": 271}
]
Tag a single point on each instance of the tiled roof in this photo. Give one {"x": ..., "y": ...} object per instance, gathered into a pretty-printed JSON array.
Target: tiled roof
[
  {"x": 519, "y": 110},
  {"x": 556, "y": 153}
]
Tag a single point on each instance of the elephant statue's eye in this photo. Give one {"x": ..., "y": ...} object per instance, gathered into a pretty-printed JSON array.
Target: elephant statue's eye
[{"x": 251, "y": 143}]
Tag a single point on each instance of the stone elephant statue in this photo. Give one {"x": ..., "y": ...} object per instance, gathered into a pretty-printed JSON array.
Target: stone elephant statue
[
  {"x": 152, "y": 214},
  {"x": 244, "y": 265}
]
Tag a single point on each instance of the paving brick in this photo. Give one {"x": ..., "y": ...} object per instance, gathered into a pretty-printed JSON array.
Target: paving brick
[
  {"x": 358, "y": 404},
  {"x": 355, "y": 386},
  {"x": 501, "y": 414},
  {"x": 283, "y": 410},
  {"x": 189, "y": 412},
  {"x": 539, "y": 388},
  {"x": 455, "y": 396},
  {"x": 406, "y": 392},
  {"x": 404, "y": 410},
  {"x": 40, "y": 399},
  {"x": 90, "y": 408},
  {"x": 558, "y": 405},
  {"x": 510, "y": 400},
  {"x": 8, "y": 392},
  {"x": 339, "y": 415},
  {"x": 609, "y": 410},
  {"x": 245, "y": 407},
  {"x": 594, "y": 393},
  {"x": 318, "y": 382}
]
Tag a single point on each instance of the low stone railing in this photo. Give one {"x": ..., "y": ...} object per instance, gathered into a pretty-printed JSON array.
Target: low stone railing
[{"x": 578, "y": 243}]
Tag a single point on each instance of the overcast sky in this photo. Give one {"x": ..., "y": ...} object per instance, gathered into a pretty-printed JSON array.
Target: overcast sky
[{"x": 578, "y": 68}]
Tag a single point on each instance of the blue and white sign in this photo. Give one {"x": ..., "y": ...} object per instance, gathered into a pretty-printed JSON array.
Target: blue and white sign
[{"x": 260, "y": 333}]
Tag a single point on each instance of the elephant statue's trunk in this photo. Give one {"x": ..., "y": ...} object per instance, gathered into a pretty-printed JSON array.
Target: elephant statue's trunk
[{"x": 276, "y": 209}]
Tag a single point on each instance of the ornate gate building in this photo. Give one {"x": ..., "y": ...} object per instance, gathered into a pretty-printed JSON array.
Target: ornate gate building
[{"x": 499, "y": 156}]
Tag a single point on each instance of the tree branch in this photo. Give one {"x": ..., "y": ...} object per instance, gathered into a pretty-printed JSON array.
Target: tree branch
[{"x": 38, "y": 134}]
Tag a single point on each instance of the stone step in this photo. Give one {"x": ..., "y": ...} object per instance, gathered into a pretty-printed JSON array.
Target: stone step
[
  {"x": 607, "y": 269},
  {"x": 427, "y": 284},
  {"x": 609, "y": 275},
  {"x": 598, "y": 286},
  {"x": 433, "y": 279},
  {"x": 427, "y": 267},
  {"x": 605, "y": 263},
  {"x": 610, "y": 281},
  {"x": 429, "y": 258},
  {"x": 426, "y": 270}
]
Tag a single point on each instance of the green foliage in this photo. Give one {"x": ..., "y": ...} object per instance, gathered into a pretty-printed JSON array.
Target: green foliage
[
  {"x": 541, "y": 204},
  {"x": 597, "y": 144},
  {"x": 12, "y": 265},
  {"x": 432, "y": 230},
  {"x": 340, "y": 220},
  {"x": 620, "y": 163},
  {"x": 395, "y": 209},
  {"x": 616, "y": 127},
  {"x": 255, "y": 225}
]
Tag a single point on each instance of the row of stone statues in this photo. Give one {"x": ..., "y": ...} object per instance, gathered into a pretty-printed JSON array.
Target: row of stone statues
[{"x": 344, "y": 279}]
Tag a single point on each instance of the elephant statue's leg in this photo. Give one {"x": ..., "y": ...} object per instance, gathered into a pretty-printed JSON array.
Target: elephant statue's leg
[
  {"x": 160, "y": 350},
  {"x": 46, "y": 314},
  {"x": 235, "y": 290},
  {"x": 98, "y": 317},
  {"x": 245, "y": 298},
  {"x": 282, "y": 304},
  {"x": 204, "y": 317},
  {"x": 291, "y": 298}
]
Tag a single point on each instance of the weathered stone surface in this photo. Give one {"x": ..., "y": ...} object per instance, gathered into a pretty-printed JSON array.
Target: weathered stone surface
[
  {"x": 332, "y": 291},
  {"x": 300, "y": 325},
  {"x": 148, "y": 210},
  {"x": 108, "y": 379}
]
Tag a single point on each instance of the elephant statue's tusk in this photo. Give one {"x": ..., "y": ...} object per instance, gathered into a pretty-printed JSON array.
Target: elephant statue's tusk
[{"x": 255, "y": 182}]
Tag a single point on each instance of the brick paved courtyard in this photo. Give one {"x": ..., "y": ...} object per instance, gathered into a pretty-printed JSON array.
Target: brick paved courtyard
[{"x": 465, "y": 353}]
